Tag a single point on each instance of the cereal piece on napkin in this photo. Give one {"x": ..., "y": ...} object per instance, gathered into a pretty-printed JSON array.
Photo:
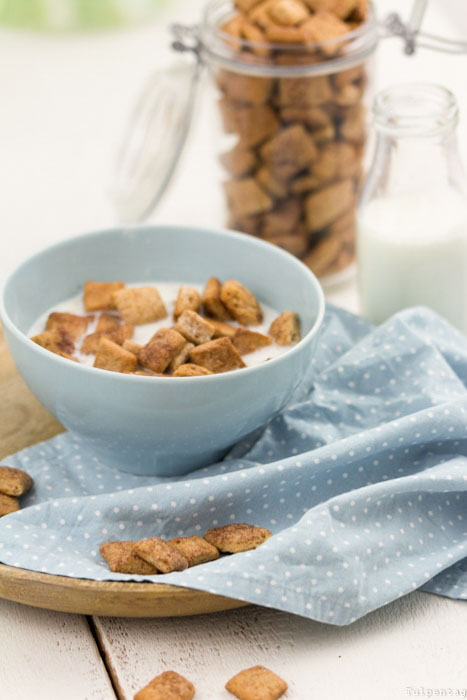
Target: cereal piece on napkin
[
  {"x": 256, "y": 683},
  {"x": 122, "y": 559},
  {"x": 248, "y": 341},
  {"x": 241, "y": 303},
  {"x": 74, "y": 325},
  {"x": 194, "y": 327},
  {"x": 218, "y": 355},
  {"x": 139, "y": 305},
  {"x": 237, "y": 537},
  {"x": 188, "y": 298},
  {"x": 113, "y": 357},
  {"x": 163, "y": 347},
  {"x": 57, "y": 340},
  {"x": 167, "y": 686},
  {"x": 99, "y": 295},
  {"x": 14, "y": 482},
  {"x": 285, "y": 329},
  {"x": 212, "y": 301},
  {"x": 182, "y": 357},
  {"x": 8, "y": 504},
  {"x": 195, "y": 549},
  {"x": 189, "y": 369},
  {"x": 161, "y": 554},
  {"x": 118, "y": 335}
]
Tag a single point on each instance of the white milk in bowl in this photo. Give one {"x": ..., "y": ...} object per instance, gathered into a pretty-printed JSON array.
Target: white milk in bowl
[{"x": 412, "y": 250}]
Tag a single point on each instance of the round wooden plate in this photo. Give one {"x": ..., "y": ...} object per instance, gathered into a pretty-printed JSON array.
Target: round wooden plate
[{"x": 24, "y": 422}]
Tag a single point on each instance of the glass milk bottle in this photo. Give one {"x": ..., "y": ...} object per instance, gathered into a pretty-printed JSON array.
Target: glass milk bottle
[{"x": 412, "y": 216}]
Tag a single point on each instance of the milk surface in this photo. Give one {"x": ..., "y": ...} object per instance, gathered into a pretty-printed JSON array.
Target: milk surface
[
  {"x": 143, "y": 333},
  {"x": 412, "y": 250}
]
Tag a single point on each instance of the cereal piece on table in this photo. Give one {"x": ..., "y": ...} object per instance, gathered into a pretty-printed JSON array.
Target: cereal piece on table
[
  {"x": 245, "y": 197},
  {"x": 163, "y": 347},
  {"x": 122, "y": 559},
  {"x": 248, "y": 341},
  {"x": 189, "y": 369},
  {"x": 288, "y": 12},
  {"x": 140, "y": 305},
  {"x": 188, "y": 298},
  {"x": 56, "y": 340},
  {"x": 113, "y": 357},
  {"x": 14, "y": 482},
  {"x": 291, "y": 145},
  {"x": 253, "y": 123},
  {"x": 182, "y": 357},
  {"x": 161, "y": 555},
  {"x": 212, "y": 303},
  {"x": 99, "y": 295},
  {"x": 167, "y": 686},
  {"x": 285, "y": 329},
  {"x": 194, "y": 327},
  {"x": 107, "y": 322},
  {"x": 217, "y": 356},
  {"x": 241, "y": 303},
  {"x": 237, "y": 537},
  {"x": 222, "y": 329},
  {"x": 195, "y": 549},
  {"x": 239, "y": 161},
  {"x": 118, "y": 335},
  {"x": 305, "y": 92},
  {"x": 74, "y": 325},
  {"x": 133, "y": 347},
  {"x": 322, "y": 207},
  {"x": 8, "y": 504},
  {"x": 284, "y": 218},
  {"x": 257, "y": 683}
]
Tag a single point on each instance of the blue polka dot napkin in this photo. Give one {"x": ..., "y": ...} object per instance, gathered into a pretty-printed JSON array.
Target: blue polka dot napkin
[{"x": 362, "y": 479}]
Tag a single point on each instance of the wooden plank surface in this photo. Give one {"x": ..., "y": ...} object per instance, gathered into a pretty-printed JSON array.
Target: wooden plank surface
[
  {"x": 418, "y": 641},
  {"x": 47, "y": 656}
]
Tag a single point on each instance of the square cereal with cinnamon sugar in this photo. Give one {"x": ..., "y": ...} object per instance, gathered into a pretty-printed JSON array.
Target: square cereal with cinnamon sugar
[
  {"x": 218, "y": 355},
  {"x": 122, "y": 559},
  {"x": 241, "y": 303},
  {"x": 237, "y": 537},
  {"x": 257, "y": 683},
  {"x": 189, "y": 369},
  {"x": 57, "y": 340},
  {"x": 98, "y": 295},
  {"x": 161, "y": 554},
  {"x": 74, "y": 325},
  {"x": 194, "y": 327},
  {"x": 138, "y": 305},
  {"x": 167, "y": 686},
  {"x": 113, "y": 357},
  {"x": 195, "y": 549},
  {"x": 14, "y": 482},
  {"x": 188, "y": 298},
  {"x": 212, "y": 303},
  {"x": 162, "y": 349},
  {"x": 248, "y": 341},
  {"x": 285, "y": 329},
  {"x": 8, "y": 504}
]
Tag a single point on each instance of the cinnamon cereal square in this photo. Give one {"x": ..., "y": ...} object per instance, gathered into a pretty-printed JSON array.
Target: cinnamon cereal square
[
  {"x": 74, "y": 325},
  {"x": 241, "y": 303},
  {"x": 190, "y": 370},
  {"x": 285, "y": 329},
  {"x": 107, "y": 322},
  {"x": 161, "y": 555},
  {"x": 217, "y": 355},
  {"x": 122, "y": 559},
  {"x": 188, "y": 298},
  {"x": 222, "y": 329},
  {"x": 57, "y": 340},
  {"x": 99, "y": 295},
  {"x": 8, "y": 504},
  {"x": 14, "y": 482},
  {"x": 237, "y": 537},
  {"x": 246, "y": 198},
  {"x": 248, "y": 341},
  {"x": 162, "y": 349},
  {"x": 113, "y": 357},
  {"x": 182, "y": 357},
  {"x": 195, "y": 549},
  {"x": 257, "y": 683},
  {"x": 118, "y": 335},
  {"x": 133, "y": 347},
  {"x": 167, "y": 686},
  {"x": 212, "y": 301},
  {"x": 139, "y": 305},
  {"x": 194, "y": 327}
]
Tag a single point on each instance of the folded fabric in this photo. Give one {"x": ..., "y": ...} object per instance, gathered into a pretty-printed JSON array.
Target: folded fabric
[{"x": 362, "y": 480}]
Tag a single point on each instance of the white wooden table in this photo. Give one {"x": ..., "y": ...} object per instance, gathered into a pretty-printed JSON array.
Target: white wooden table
[{"x": 64, "y": 102}]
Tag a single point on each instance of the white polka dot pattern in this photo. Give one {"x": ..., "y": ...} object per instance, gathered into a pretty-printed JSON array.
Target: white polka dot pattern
[{"x": 362, "y": 480}]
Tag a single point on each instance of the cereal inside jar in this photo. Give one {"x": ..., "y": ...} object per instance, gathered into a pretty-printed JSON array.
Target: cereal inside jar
[{"x": 292, "y": 78}]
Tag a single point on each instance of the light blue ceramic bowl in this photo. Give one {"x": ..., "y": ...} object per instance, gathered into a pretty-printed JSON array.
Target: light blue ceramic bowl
[{"x": 159, "y": 426}]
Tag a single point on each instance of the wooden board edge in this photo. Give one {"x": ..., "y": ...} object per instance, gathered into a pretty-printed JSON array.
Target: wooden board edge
[{"x": 107, "y": 598}]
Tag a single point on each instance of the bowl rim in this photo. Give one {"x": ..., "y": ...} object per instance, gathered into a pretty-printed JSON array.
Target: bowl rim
[{"x": 156, "y": 228}]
